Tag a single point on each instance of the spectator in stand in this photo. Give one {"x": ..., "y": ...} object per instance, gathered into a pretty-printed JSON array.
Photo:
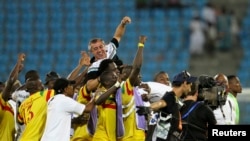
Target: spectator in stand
[
  {"x": 211, "y": 39},
  {"x": 208, "y": 14},
  {"x": 223, "y": 26},
  {"x": 235, "y": 29},
  {"x": 197, "y": 36}
]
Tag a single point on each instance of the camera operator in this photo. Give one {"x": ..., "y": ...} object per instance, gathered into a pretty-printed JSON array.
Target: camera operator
[{"x": 196, "y": 116}]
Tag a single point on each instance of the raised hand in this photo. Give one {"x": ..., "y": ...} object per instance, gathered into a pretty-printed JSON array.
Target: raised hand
[
  {"x": 126, "y": 20},
  {"x": 142, "y": 39},
  {"x": 85, "y": 59},
  {"x": 20, "y": 60}
]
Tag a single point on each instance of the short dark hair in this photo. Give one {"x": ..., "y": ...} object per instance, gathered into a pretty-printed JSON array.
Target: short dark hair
[
  {"x": 104, "y": 77},
  {"x": 31, "y": 84},
  {"x": 194, "y": 88},
  {"x": 177, "y": 84},
  {"x": 230, "y": 77},
  {"x": 159, "y": 73},
  {"x": 31, "y": 74},
  {"x": 104, "y": 65},
  {"x": 50, "y": 76},
  {"x": 61, "y": 84}
]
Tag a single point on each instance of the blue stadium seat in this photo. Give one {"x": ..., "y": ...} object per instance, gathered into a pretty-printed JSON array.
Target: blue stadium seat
[
  {"x": 32, "y": 58},
  {"x": 245, "y": 43},
  {"x": 56, "y": 17},
  {"x": 152, "y": 66},
  {"x": 85, "y": 5},
  {"x": 200, "y": 3},
  {"x": 187, "y": 13},
  {"x": 166, "y": 65},
  {"x": 143, "y": 13},
  {"x": 244, "y": 77},
  {"x": 245, "y": 64},
  {"x": 48, "y": 57},
  {"x": 159, "y": 14},
  {"x": 55, "y": 47},
  {"x": 174, "y": 24},
  {"x": 176, "y": 45},
  {"x": 131, "y": 13},
  {"x": 173, "y": 14},
  {"x": 4, "y": 72},
  {"x": 181, "y": 66},
  {"x": 44, "y": 68},
  {"x": 40, "y": 27}
]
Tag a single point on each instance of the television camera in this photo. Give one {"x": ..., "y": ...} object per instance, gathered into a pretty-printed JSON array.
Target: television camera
[{"x": 210, "y": 92}]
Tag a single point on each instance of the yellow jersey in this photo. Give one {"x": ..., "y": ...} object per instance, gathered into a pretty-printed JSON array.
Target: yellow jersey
[
  {"x": 7, "y": 122},
  {"x": 33, "y": 112}
]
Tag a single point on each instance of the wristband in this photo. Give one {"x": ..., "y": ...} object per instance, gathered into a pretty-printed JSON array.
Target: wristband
[
  {"x": 140, "y": 45},
  {"x": 117, "y": 84}
]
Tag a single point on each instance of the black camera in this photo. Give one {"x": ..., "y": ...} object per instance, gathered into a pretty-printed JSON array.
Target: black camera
[{"x": 210, "y": 93}]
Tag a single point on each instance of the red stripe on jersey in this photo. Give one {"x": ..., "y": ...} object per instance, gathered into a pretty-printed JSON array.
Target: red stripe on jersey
[
  {"x": 130, "y": 92},
  {"x": 6, "y": 108},
  {"x": 48, "y": 95},
  {"x": 110, "y": 106},
  {"x": 85, "y": 95},
  {"x": 20, "y": 119}
]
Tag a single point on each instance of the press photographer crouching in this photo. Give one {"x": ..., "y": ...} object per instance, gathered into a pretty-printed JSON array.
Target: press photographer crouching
[{"x": 196, "y": 112}]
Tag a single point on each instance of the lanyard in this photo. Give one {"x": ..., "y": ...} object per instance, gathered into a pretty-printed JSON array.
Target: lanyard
[{"x": 190, "y": 110}]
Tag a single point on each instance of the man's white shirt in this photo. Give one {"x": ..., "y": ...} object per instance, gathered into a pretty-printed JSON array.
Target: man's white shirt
[
  {"x": 157, "y": 90},
  {"x": 229, "y": 114},
  {"x": 58, "y": 122}
]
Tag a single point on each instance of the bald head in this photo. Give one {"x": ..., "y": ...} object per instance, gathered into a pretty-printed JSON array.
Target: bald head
[
  {"x": 222, "y": 80},
  {"x": 34, "y": 85}
]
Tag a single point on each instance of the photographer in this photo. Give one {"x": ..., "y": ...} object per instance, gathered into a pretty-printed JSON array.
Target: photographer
[{"x": 196, "y": 116}]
